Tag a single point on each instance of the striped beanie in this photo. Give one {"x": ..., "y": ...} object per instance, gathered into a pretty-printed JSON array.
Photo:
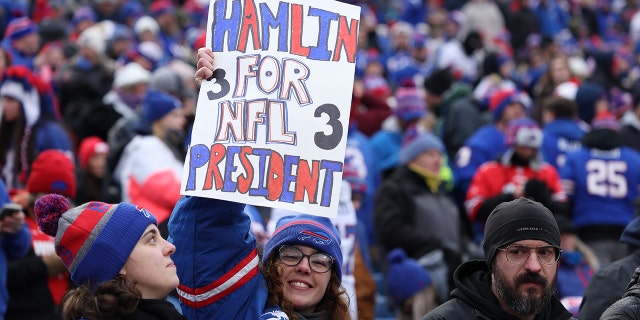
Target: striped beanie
[
  {"x": 307, "y": 230},
  {"x": 19, "y": 28},
  {"x": 410, "y": 104},
  {"x": 95, "y": 239}
]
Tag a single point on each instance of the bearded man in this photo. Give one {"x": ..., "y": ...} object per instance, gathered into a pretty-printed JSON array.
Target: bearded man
[{"x": 517, "y": 280}]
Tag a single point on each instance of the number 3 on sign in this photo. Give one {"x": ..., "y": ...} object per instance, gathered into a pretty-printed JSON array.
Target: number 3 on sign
[{"x": 606, "y": 178}]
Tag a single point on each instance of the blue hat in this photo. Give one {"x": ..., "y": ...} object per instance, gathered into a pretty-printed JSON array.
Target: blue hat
[
  {"x": 307, "y": 230},
  {"x": 631, "y": 233},
  {"x": 95, "y": 239},
  {"x": 83, "y": 14},
  {"x": 424, "y": 141},
  {"x": 157, "y": 104},
  {"x": 405, "y": 277},
  {"x": 500, "y": 99},
  {"x": 20, "y": 27}
]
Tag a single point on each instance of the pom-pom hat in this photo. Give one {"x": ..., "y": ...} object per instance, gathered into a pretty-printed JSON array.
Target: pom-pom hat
[
  {"x": 405, "y": 277},
  {"x": 95, "y": 239},
  {"x": 307, "y": 230}
]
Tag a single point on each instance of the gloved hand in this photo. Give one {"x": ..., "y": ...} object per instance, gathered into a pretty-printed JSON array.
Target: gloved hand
[{"x": 537, "y": 190}]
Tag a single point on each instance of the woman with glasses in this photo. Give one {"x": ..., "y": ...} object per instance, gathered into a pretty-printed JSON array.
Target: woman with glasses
[{"x": 222, "y": 275}]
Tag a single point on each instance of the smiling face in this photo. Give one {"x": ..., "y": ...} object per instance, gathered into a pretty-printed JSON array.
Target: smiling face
[
  {"x": 150, "y": 266},
  {"x": 525, "y": 288},
  {"x": 303, "y": 287}
]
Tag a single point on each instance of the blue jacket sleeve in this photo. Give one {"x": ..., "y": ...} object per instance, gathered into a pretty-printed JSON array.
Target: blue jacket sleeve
[{"x": 216, "y": 259}]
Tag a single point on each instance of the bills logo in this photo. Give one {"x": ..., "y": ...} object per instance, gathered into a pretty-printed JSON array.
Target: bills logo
[
  {"x": 66, "y": 255},
  {"x": 316, "y": 237}
]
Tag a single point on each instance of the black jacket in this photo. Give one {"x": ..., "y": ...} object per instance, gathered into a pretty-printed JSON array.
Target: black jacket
[
  {"x": 629, "y": 306},
  {"x": 473, "y": 299},
  {"x": 153, "y": 309},
  {"x": 29, "y": 295},
  {"x": 607, "y": 286}
]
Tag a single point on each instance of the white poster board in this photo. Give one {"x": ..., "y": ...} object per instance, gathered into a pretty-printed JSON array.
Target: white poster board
[{"x": 271, "y": 125}]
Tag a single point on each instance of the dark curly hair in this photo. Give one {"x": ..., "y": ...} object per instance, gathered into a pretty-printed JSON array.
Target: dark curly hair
[
  {"x": 334, "y": 304},
  {"x": 114, "y": 298}
]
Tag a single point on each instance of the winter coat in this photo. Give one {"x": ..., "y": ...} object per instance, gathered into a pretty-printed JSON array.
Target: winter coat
[
  {"x": 473, "y": 299},
  {"x": 607, "y": 286},
  {"x": 629, "y": 306}
]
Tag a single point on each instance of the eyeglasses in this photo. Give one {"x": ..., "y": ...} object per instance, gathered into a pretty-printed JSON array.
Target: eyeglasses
[
  {"x": 518, "y": 254},
  {"x": 318, "y": 262}
]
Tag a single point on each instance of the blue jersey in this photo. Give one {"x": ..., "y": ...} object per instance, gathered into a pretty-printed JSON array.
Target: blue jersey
[
  {"x": 603, "y": 185},
  {"x": 217, "y": 260},
  {"x": 486, "y": 144},
  {"x": 560, "y": 137}
]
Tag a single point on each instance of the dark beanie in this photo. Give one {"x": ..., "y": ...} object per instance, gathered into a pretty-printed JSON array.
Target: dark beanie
[
  {"x": 520, "y": 219},
  {"x": 439, "y": 81}
]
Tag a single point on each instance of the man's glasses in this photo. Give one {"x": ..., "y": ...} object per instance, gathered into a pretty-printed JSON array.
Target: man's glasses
[
  {"x": 318, "y": 262},
  {"x": 518, "y": 254}
]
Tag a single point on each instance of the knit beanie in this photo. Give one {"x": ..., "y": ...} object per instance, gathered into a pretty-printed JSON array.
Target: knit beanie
[
  {"x": 157, "y": 104},
  {"x": 605, "y": 120},
  {"x": 130, "y": 74},
  {"x": 88, "y": 147},
  {"x": 52, "y": 172},
  {"x": 146, "y": 23},
  {"x": 631, "y": 233},
  {"x": 588, "y": 94},
  {"x": 19, "y": 28},
  {"x": 439, "y": 81},
  {"x": 95, "y": 239},
  {"x": 161, "y": 7},
  {"x": 502, "y": 98},
  {"x": 423, "y": 142},
  {"x": 167, "y": 80},
  {"x": 352, "y": 176},
  {"x": 519, "y": 219},
  {"x": 524, "y": 132},
  {"x": 307, "y": 230},
  {"x": 83, "y": 14},
  {"x": 405, "y": 277},
  {"x": 410, "y": 104}
]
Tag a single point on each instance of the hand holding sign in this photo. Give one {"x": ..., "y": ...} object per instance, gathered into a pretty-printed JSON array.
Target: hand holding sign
[{"x": 270, "y": 123}]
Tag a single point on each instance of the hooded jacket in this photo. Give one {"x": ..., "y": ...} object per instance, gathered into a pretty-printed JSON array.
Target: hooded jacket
[
  {"x": 472, "y": 298},
  {"x": 629, "y": 306}
]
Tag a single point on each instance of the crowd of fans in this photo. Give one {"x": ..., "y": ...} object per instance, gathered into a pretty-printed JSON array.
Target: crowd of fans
[{"x": 457, "y": 106}]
